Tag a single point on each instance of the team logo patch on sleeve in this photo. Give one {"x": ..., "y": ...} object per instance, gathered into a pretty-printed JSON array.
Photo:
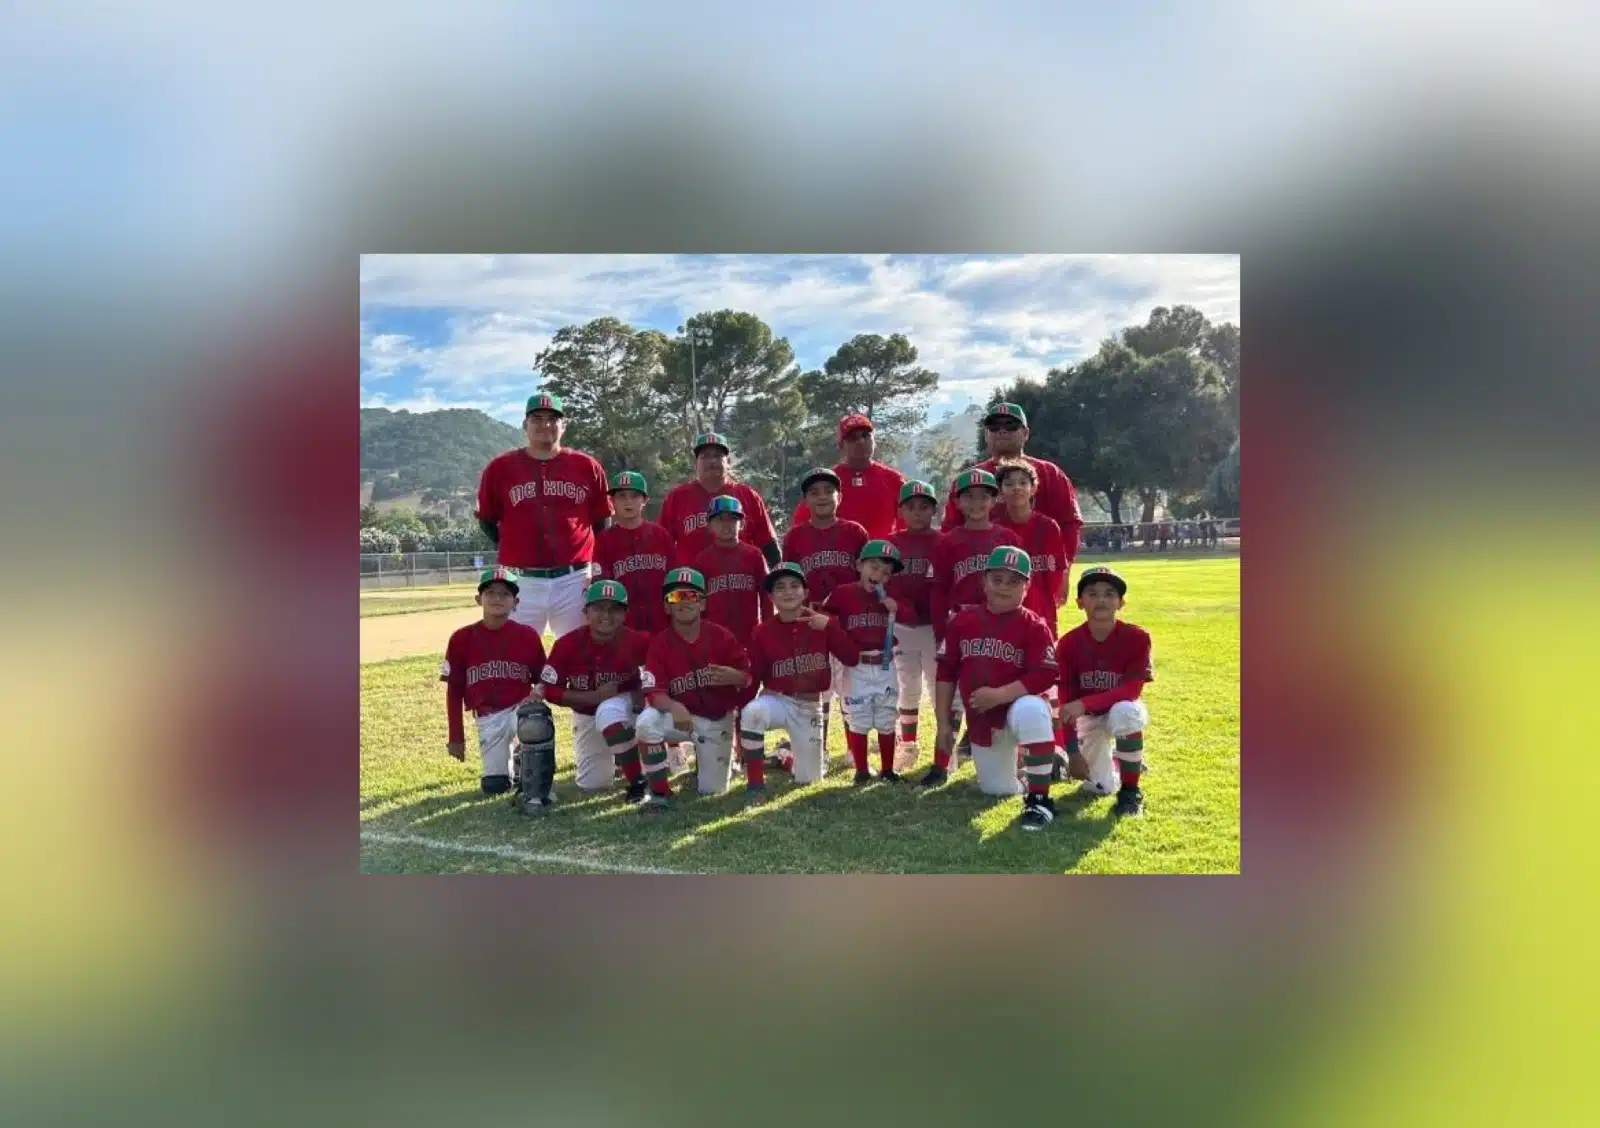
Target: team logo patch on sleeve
[
  {"x": 647, "y": 680},
  {"x": 444, "y": 668},
  {"x": 548, "y": 675}
]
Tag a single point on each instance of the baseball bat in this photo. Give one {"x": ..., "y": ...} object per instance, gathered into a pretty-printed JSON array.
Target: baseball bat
[{"x": 888, "y": 633}]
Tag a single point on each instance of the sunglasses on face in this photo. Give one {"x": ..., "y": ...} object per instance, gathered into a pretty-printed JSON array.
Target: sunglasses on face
[
  {"x": 1008, "y": 426},
  {"x": 683, "y": 595}
]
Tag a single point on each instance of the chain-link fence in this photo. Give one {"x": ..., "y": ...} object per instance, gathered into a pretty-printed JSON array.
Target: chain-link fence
[{"x": 421, "y": 569}]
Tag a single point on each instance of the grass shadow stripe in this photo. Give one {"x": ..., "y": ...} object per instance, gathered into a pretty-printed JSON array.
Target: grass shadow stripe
[{"x": 509, "y": 853}]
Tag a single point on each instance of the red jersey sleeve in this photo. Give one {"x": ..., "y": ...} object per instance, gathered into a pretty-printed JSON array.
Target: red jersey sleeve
[
  {"x": 453, "y": 672},
  {"x": 1039, "y": 654},
  {"x": 734, "y": 654},
  {"x": 841, "y": 645},
  {"x": 553, "y": 675},
  {"x": 939, "y": 587},
  {"x": 656, "y": 674},
  {"x": 600, "y": 507},
  {"x": 1136, "y": 669},
  {"x": 947, "y": 658},
  {"x": 758, "y": 521},
  {"x": 1055, "y": 543},
  {"x": 488, "y": 494},
  {"x": 1066, "y": 513}
]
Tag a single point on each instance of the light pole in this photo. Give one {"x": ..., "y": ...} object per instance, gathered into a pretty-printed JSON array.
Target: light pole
[{"x": 700, "y": 334}]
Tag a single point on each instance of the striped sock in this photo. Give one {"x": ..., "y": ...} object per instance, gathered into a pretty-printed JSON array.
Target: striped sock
[
  {"x": 908, "y": 726},
  {"x": 1130, "y": 758},
  {"x": 625, "y": 747},
  {"x": 1036, "y": 762},
  {"x": 752, "y": 748},
  {"x": 655, "y": 768}
]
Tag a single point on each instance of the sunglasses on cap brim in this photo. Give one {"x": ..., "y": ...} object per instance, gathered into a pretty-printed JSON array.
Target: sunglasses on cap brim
[{"x": 683, "y": 595}]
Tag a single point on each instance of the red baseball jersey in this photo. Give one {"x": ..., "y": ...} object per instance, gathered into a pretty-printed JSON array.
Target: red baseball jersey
[
  {"x": 677, "y": 667},
  {"x": 546, "y": 508},
  {"x": 959, "y": 561},
  {"x": 1041, "y": 539},
  {"x": 1103, "y": 673},
  {"x": 981, "y": 648},
  {"x": 683, "y": 514},
  {"x": 734, "y": 598},
  {"x": 793, "y": 657},
  {"x": 578, "y": 662},
  {"x": 1055, "y": 498},
  {"x": 860, "y": 612},
  {"x": 488, "y": 670},
  {"x": 639, "y": 560},
  {"x": 827, "y": 556},
  {"x": 869, "y": 497},
  {"x": 911, "y": 587}
]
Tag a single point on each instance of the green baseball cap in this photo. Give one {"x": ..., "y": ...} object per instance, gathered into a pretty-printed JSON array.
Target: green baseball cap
[
  {"x": 1103, "y": 575},
  {"x": 507, "y": 576},
  {"x": 1011, "y": 558},
  {"x": 782, "y": 569},
  {"x": 602, "y": 591},
  {"x": 882, "y": 550},
  {"x": 684, "y": 577},
  {"x": 1006, "y": 411},
  {"x": 819, "y": 474},
  {"x": 917, "y": 488},
  {"x": 710, "y": 439},
  {"x": 970, "y": 478},
  {"x": 629, "y": 480},
  {"x": 544, "y": 401}
]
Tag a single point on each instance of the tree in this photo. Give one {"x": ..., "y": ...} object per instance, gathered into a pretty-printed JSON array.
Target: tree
[
  {"x": 743, "y": 361},
  {"x": 377, "y": 540},
  {"x": 1222, "y": 487},
  {"x": 1181, "y": 327},
  {"x": 770, "y": 438},
  {"x": 941, "y": 455},
  {"x": 877, "y": 376},
  {"x": 405, "y": 525},
  {"x": 607, "y": 375},
  {"x": 369, "y": 515}
]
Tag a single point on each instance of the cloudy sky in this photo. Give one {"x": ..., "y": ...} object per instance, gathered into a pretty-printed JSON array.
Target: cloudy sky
[{"x": 463, "y": 330}]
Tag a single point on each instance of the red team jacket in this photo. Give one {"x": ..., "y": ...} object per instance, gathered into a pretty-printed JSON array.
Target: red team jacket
[
  {"x": 870, "y": 498},
  {"x": 860, "y": 612},
  {"x": 959, "y": 561},
  {"x": 1103, "y": 673},
  {"x": 1041, "y": 539},
  {"x": 675, "y": 666},
  {"x": 981, "y": 648},
  {"x": 1055, "y": 498},
  {"x": 488, "y": 670},
  {"x": 639, "y": 560},
  {"x": 792, "y": 657},
  {"x": 827, "y": 556},
  {"x": 910, "y": 586},
  {"x": 734, "y": 598},
  {"x": 683, "y": 515},
  {"x": 546, "y": 509},
  {"x": 579, "y": 663}
]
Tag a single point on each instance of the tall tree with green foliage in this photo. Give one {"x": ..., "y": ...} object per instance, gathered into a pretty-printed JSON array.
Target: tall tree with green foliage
[
  {"x": 876, "y": 376},
  {"x": 742, "y": 361}
]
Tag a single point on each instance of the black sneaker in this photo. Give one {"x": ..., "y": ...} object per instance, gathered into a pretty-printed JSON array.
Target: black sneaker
[
  {"x": 637, "y": 791},
  {"x": 1130, "y": 801},
  {"x": 890, "y": 776},
  {"x": 933, "y": 777},
  {"x": 1038, "y": 812},
  {"x": 863, "y": 776}
]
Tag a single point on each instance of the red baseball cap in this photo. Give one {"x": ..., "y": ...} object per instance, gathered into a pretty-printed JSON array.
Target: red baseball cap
[{"x": 853, "y": 422}]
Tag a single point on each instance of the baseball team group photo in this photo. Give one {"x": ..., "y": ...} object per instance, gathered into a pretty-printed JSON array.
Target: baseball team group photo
[{"x": 812, "y": 564}]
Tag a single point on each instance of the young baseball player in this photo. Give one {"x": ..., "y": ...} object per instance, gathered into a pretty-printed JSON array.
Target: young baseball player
[
  {"x": 1104, "y": 665},
  {"x": 1001, "y": 658},
  {"x": 733, "y": 570},
  {"x": 695, "y": 675},
  {"x": 913, "y": 631},
  {"x": 868, "y": 689},
  {"x": 790, "y": 657},
  {"x": 491, "y": 667},
  {"x": 635, "y": 552},
  {"x": 594, "y": 671},
  {"x": 962, "y": 554},
  {"x": 826, "y": 548}
]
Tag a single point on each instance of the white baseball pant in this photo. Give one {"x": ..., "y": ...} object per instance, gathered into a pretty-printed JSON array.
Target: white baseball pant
[
  {"x": 551, "y": 606},
  {"x": 1028, "y": 721},
  {"x": 869, "y": 696},
  {"x": 802, "y": 720},
  {"x": 595, "y": 760},
  {"x": 713, "y": 745},
  {"x": 915, "y": 668},
  {"x": 1097, "y": 737},
  {"x": 496, "y": 733}
]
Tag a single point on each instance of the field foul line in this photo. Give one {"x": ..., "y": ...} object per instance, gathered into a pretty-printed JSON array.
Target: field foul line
[{"x": 384, "y": 838}]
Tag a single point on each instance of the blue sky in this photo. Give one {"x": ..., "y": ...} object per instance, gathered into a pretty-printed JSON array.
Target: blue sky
[{"x": 463, "y": 330}]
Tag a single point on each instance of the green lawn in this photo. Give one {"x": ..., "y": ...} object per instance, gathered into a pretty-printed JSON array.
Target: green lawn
[
  {"x": 421, "y": 811},
  {"x": 404, "y": 606}
]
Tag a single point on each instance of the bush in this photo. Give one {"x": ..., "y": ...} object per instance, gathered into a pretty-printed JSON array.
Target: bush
[{"x": 379, "y": 540}]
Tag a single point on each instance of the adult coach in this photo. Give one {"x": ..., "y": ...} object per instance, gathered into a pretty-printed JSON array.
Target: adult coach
[
  {"x": 1005, "y": 433},
  {"x": 869, "y": 491},
  {"x": 542, "y": 506},
  {"x": 683, "y": 511}
]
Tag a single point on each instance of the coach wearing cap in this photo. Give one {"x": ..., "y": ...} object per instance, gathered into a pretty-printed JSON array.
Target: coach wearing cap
[
  {"x": 683, "y": 511},
  {"x": 869, "y": 491},
  {"x": 1005, "y": 433},
  {"x": 542, "y": 505}
]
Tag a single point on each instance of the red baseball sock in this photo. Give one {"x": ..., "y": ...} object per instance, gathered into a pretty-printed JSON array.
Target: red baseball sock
[
  {"x": 886, "y": 751},
  {"x": 1036, "y": 762},
  {"x": 858, "y": 748}
]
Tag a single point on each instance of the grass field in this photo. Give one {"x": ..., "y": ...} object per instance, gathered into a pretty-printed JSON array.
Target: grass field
[
  {"x": 421, "y": 812},
  {"x": 373, "y": 606}
]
